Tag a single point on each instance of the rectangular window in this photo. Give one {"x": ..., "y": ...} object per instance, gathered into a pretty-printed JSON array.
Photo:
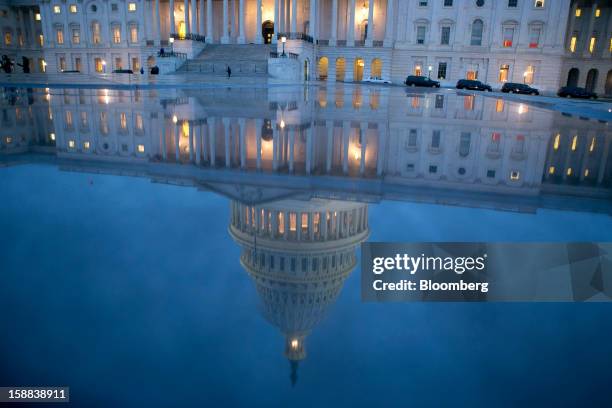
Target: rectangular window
[
  {"x": 529, "y": 74},
  {"x": 59, "y": 35},
  {"x": 573, "y": 42},
  {"x": 135, "y": 63},
  {"x": 73, "y": 8},
  {"x": 490, "y": 173},
  {"x": 8, "y": 39},
  {"x": 578, "y": 12},
  {"x": 77, "y": 64},
  {"x": 512, "y": 3},
  {"x": 445, "y": 36},
  {"x": 442, "y": 70},
  {"x": 62, "y": 63},
  {"x": 131, "y": 7},
  {"x": 95, "y": 33},
  {"x": 118, "y": 63},
  {"x": 448, "y": 3},
  {"x": 139, "y": 122},
  {"x": 116, "y": 34},
  {"x": 76, "y": 36},
  {"x": 592, "y": 44},
  {"x": 433, "y": 169},
  {"x": 133, "y": 34},
  {"x": 508, "y": 36},
  {"x": 597, "y": 13},
  {"x": 141, "y": 148},
  {"x": 423, "y": 3},
  {"x": 439, "y": 104},
  {"x": 538, "y": 3},
  {"x": 503, "y": 72},
  {"x": 123, "y": 120},
  {"x": 98, "y": 64},
  {"x": 412, "y": 138},
  {"x": 435, "y": 139},
  {"x": 421, "y": 34},
  {"x": 534, "y": 37},
  {"x": 57, "y": 9}
]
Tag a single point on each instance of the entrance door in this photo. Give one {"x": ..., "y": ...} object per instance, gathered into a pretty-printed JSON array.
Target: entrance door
[{"x": 267, "y": 31}]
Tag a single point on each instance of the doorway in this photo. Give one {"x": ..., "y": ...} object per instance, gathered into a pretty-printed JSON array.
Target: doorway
[{"x": 267, "y": 31}]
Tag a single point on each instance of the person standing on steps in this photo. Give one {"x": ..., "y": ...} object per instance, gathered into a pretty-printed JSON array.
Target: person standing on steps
[{"x": 229, "y": 72}]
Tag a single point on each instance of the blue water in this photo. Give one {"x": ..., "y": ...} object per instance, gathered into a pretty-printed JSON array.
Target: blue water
[{"x": 132, "y": 294}]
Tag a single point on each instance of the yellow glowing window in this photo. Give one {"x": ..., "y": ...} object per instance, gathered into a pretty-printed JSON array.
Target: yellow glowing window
[
  {"x": 574, "y": 143},
  {"x": 86, "y": 145},
  {"x": 417, "y": 70},
  {"x": 610, "y": 44},
  {"x": 57, "y": 9},
  {"x": 292, "y": 221},
  {"x": 316, "y": 222},
  {"x": 515, "y": 175},
  {"x": 71, "y": 144},
  {"x": 132, "y": 7},
  {"x": 503, "y": 73},
  {"x": 52, "y": 136},
  {"x": 598, "y": 13},
  {"x": 8, "y": 38},
  {"x": 123, "y": 120},
  {"x": 37, "y": 17},
  {"x": 578, "y": 12},
  {"x": 592, "y": 44},
  {"x": 499, "y": 105},
  {"x": 281, "y": 223},
  {"x": 68, "y": 118},
  {"x": 551, "y": 170},
  {"x": 586, "y": 172},
  {"x": 573, "y": 44},
  {"x": 304, "y": 221},
  {"x": 73, "y": 8},
  {"x": 41, "y": 40},
  {"x": 569, "y": 171},
  {"x": 139, "y": 122},
  {"x": 557, "y": 141},
  {"x": 140, "y": 148},
  {"x": 592, "y": 145}
]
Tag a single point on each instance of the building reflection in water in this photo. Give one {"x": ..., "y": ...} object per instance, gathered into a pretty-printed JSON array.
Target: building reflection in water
[
  {"x": 298, "y": 253},
  {"x": 346, "y": 146}
]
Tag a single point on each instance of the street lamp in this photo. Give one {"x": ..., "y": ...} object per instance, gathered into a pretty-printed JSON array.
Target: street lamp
[
  {"x": 283, "y": 40},
  {"x": 171, "y": 40},
  {"x": 429, "y": 69}
]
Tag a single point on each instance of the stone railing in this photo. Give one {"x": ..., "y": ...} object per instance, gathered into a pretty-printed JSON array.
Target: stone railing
[
  {"x": 189, "y": 36},
  {"x": 295, "y": 36},
  {"x": 276, "y": 54},
  {"x": 172, "y": 54}
]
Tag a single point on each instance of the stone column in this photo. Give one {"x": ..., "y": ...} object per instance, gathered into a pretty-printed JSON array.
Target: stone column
[
  {"x": 380, "y": 157},
  {"x": 164, "y": 143},
  {"x": 293, "y": 27},
  {"x": 346, "y": 131},
  {"x": 201, "y": 17},
  {"x": 157, "y": 23},
  {"x": 258, "y": 124},
  {"x": 309, "y": 136},
  {"x": 212, "y": 138},
  {"x": 203, "y": 141},
  {"x": 275, "y": 142},
  {"x": 312, "y": 22},
  {"x": 389, "y": 24},
  {"x": 258, "y": 34},
  {"x": 226, "y": 135},
  {"x": 276, "y": 21},
  {"x": 172, "y": 20},
  {"x": 191, "y": 149},
  {"x": 31, "y": 19},
  {"x": 330, "y": 145},
  {"x": 186, "y": 11},
  {"x": 291, "y": 149},
  {"x": 209, "y": 21},
  {"x": 334, "y": 23},
  {"x": 242, "y": 15},
  {"x": 364, "y": 137},
  {"x": 589, "y": 32},
  {"x": 350, "y": 35},
  {"x": 242, "y": 123},
  {"x": 176, "y": 142},
  {"x": 225, "y": 35},
  {"x": 194, "y": 17},
  {"x": 370, "y": 33}
]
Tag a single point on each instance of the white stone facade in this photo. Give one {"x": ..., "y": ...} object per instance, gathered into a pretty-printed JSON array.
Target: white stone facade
[{"x": 348, "y": 40}]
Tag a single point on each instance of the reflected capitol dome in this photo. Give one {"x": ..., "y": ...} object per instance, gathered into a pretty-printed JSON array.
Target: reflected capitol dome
[{"x": 299, "y": 254}]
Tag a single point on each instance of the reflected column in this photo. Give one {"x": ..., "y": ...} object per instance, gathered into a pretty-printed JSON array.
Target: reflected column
[
  {"x": 224, "y": 33},
  {"x": 209, "y": 21},
  {"x": 226, "y": 136},
  {"x": 242, "y": 124},
  {"x": 364, "y": 137},
  {"x": 330, "y": 145},
  {"x": 382, "y": 140},
  {"x": 259, "y": 124},
  {"x": 346, "y": 130},
  {"x": 212, "y": 139}
]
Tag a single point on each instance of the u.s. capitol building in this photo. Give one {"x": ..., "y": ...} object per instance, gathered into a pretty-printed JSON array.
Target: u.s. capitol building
[{"x": 541, "y": 42}]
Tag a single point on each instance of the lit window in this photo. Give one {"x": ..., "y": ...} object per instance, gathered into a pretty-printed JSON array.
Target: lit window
[
  {"x": 417, "y": 70},
  {"x": 57, "y": 9},
  {"x": 76, "y": 36},
  {"x": 578, "y": 12},
  {"x": 9, "y": 140},
  {"x": 551, "y": 170},
  {"x": 529, "y": 74},
  {"x": 592, "y": 44},
  {"x": 499, "y": 105},
  {"x": 140, "y": 148},
  {"x": 71, "y": 144},
  {"x": 95, "y": 32},
  {"x": 59, "y": 35},
  {"x": 133, "y": 34},
  {"x": 574, "y": 143},
  {"x": 597, "y": 12},
  {"x": 515, "y": 175},
  {"x": 534, "y": 37},
  {"x": 592, "y": 145},
  {"x": 116, "y": 34},
  {"x": 86, "y": 145},
  {"x": 123, "y": 120},
  {"x": 508, "y": 36},
  {"x": 569, "y": 171},
  {"x": 557, "y": 141},
  {"x": 586, "y": 172},
  {"x": 503, "y": 72},
  {"x": 139, "y": 122},
  {"x": 37, "y": 16},
  {"x": 8, "y": 38},
  {"x": 73, "y": 8},
  {"x": 573, "y": 43},
  {"x": 52, "y": 136},
  {"x": 538, "y": 4},
  {"x": 132, "y": 7}
]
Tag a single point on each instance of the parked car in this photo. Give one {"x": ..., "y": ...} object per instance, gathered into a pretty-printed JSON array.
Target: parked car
[
  {"x": 576, "y": 92},
  {"x": 512, "y": 87},
  {"x": 377, "y": 80},
  {"x": 123, "y": 71},
  {"x": 473, "y": 85},
  {"x": 414, "y": 80}
]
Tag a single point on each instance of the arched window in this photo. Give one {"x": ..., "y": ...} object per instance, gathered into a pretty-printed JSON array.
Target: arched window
[
  {"x": 573, "y": 76},
  {"x": 322, "y": 68},
  {"x": 376, "y": 68},
  {"x": 477, "y": 28},
  {"x": 591, "y": 81}
]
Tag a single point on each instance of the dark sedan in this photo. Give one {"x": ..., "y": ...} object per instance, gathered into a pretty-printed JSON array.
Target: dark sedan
[
  {"x": 576, "y": 92},
  {"x": 414, "y": 80},
  {"x": 473, "y": 85},
  {"x": 511, "y": 87}
]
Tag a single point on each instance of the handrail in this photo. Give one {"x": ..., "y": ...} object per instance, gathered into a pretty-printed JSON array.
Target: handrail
[
  {"x": 296, "y": 36},
  {"x": 276, "y": 54},
  {"x": 189, "y": 36}
]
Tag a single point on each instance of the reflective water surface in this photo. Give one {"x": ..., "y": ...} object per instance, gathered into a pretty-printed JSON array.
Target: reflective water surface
[{"x": 201, "y": 248}]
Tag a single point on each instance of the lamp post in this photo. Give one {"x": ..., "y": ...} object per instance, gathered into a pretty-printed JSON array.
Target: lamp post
[
  {"x": 429, "y": 69},
  {"x": 283, "y": 40},
  {"x": 171, "y": 41}
]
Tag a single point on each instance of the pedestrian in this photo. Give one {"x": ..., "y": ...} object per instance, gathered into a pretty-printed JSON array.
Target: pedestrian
[
  {"x": 25, "y": 65},
  {"x": 6, "y": 64},
  {"x": 141, "y": 71},
  {"x": 229, "y": 72}
]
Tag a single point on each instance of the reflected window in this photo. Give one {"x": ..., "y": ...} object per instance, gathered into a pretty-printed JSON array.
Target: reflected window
[
  {"x": 435, "y": 139},
  {"x": 464, "y": 144}
]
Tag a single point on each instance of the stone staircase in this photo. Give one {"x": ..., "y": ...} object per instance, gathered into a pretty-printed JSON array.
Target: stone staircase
[{"x": 244, "y": 59}]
